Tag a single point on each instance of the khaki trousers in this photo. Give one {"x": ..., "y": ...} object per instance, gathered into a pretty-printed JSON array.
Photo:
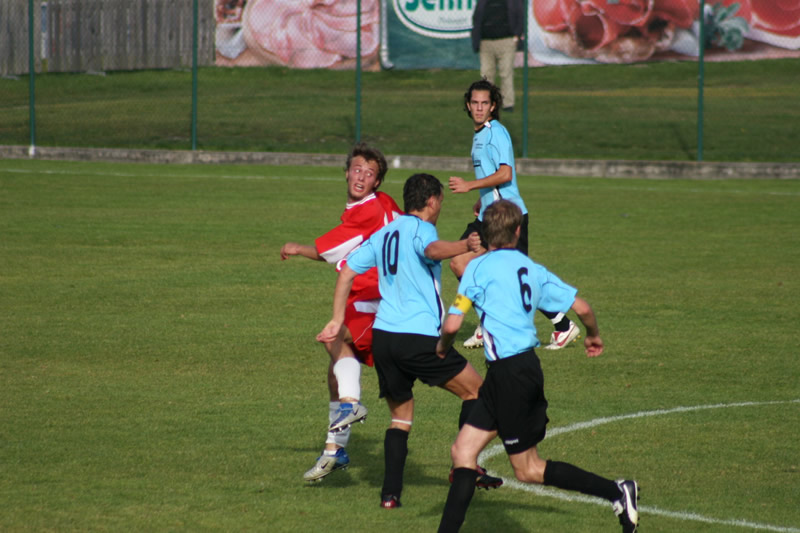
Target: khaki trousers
[{"x": 497, "y": 57}]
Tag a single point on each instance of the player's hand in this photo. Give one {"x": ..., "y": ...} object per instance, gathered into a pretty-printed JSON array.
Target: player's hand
[
  {"x": 441, "y": 351},
  {"x": 330, "y": 332},
  {"x": 458, "y": 185},
  {"x": 289, "y": 249},
  {"x": 593, "y": 346},
  {"x": 474, "y": 243},
  {"x": 476, "y": 208}
]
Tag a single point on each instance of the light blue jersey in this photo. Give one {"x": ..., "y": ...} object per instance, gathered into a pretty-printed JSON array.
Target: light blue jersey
[
  {"x": 491, "y": 147},
  {"x": 410, "y": 283},
  {"x": 506, "y": 288}
]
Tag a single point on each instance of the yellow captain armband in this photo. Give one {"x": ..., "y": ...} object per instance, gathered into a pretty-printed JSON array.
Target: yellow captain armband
[{"x": 462, "y": 303}]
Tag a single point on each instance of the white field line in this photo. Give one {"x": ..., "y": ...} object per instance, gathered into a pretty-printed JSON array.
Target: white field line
[
  {"x": 340, "y": 175},
  {"x": 678, "y": 515}
]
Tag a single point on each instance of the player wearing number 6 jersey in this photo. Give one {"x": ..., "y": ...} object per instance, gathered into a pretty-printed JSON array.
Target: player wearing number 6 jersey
[
  {"x": 506, "y": 288},
  {"x": 408, "y": 254}
]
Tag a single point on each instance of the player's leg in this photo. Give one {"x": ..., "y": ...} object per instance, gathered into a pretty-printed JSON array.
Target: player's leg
[
  {"x": 565, "y": 330},
  {"x": 346, "y": 353},
  {"x": 395, "y": 449},
  {"x": 334, "y": 456},
  {"x": 488, "y": 59},
  {"x": 623, "y": 494},
  {"x": 395, "y": 385},
  {"x": 506, "y": 50},
  {"x": 464, "y": 453},
  {"x": 466, "y": 385}
]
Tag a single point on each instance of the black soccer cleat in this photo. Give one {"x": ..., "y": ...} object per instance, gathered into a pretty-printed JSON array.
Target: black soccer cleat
[
  {"x": 626, "y": 508},
  {"x": 484, "y": 480}
]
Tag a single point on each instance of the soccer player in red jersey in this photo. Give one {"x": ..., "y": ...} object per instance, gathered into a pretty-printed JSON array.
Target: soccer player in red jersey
[{"x": 366, "y": 211}]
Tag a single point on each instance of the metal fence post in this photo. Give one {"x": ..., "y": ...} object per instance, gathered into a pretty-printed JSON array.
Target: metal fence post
[
  {"x": 525, "y": 84},
  {"x": 358, "y": 71},
  {"x": 700, "y": 80},
  {"x": 31, "y": 80},
  {"x": 194, "y": 75}
]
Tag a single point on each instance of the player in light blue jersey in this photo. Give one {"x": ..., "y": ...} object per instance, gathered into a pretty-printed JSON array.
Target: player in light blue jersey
[
  {"x": 408, "y": 254},
  {"x": 505, "y": 287},
  {"x": 495, "y": 179}
]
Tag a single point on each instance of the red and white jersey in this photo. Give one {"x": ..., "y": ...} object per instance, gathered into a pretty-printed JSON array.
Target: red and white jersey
[{"x": 359, "y": 221}]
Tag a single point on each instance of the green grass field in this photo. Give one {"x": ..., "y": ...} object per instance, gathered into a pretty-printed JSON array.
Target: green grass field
[
  {"x": 637, "y": 112},
  {"x": 158, "y": 369}
]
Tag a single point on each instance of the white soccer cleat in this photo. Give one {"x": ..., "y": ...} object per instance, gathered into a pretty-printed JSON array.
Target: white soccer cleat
[
  {"x": 348, "y": 413},
  {"x": 626, "y": 508},
  {"x": 476, "y": 341},
  {"x": 326, "y": 464},
  {"x": 560, "y": 339}
]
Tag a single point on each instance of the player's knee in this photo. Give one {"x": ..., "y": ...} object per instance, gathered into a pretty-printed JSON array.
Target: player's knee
[
  {"x": 530, "y": 473},
  {"x": 460, "y": 455}
]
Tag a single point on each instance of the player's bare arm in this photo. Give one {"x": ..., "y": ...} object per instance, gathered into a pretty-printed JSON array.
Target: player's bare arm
[
  {"x": 452, "y": 323},
  {"x": 343, "y": 284},
  {"x": 593, "y": 344},
  {"x": 292, "y": 248},
  {"x": 439, "y": 250},
  {"x": 460, "y": 185}
]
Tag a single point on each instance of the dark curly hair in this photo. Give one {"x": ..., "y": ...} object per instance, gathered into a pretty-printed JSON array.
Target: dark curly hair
[{"x": 494, "y": 95}]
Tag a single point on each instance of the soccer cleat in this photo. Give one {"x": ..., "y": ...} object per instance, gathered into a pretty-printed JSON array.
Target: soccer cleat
[
  {"x": 626, "y": 508},
  {"x": 484, "y": 480},
  {"x": 348, "y": 413},
  {"x": 327, "y": 464},
  {"x": 390, "y": 501},
  {"x": 559, "y": 339},
  {"x": 476, "y": 341}
]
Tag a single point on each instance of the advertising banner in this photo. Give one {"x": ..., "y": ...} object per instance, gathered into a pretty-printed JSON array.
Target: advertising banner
[
  {"x": 422, "y": 34},
  {"x": 610, "y": 31},
  {"x": 297, "y": 33},
  {"x": 428, "y": 34}
]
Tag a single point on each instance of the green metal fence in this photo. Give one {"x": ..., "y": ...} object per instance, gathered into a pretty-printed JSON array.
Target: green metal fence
[{"x": 64, "y": 48}]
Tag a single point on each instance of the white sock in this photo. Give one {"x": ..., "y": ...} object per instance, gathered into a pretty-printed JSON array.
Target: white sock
[
  {"x": 339, "y": 438},
  {"x": 348, "y": 375}
]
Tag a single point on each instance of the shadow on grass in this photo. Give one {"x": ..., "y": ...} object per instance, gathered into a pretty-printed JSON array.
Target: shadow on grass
[{"x": 490, "y": 510}]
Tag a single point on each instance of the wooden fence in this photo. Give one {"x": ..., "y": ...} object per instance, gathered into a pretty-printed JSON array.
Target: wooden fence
[{"x": 103, "y": 35}]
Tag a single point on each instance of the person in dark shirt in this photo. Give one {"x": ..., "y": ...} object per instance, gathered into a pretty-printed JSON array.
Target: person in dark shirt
[{"x": 497, "y": 29}]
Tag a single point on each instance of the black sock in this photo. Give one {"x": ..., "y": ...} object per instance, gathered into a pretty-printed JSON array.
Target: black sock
[
  {"x": 466, "y": 409},
  {"x": 395, "y": 449},
  {"x": 570, "y": 477},
  {"x": 561, "y": 325},
  {"x": 461, "y": 491}
]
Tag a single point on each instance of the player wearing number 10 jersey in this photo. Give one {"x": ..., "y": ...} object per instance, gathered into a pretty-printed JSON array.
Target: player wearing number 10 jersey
[{"x": 408, "y": 254}]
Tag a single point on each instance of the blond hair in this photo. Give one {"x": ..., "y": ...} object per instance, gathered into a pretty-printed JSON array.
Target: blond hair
[{"x": 500, "y": 223}]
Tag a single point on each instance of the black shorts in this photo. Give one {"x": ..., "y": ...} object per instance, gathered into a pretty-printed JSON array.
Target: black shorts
[
  {"x": 522, "y": 243},
  {"x": 512, "y": 401},
  {"x": 401, "y": 358}
]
